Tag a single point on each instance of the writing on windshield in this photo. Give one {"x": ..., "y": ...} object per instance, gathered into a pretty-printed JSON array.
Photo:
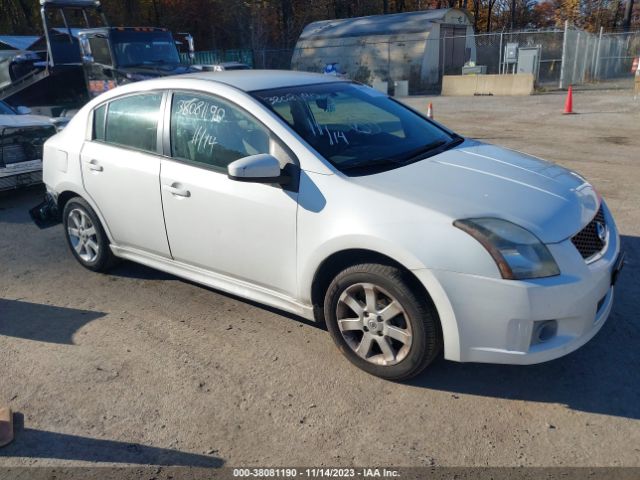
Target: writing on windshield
[{"x": 351, "y": 125}]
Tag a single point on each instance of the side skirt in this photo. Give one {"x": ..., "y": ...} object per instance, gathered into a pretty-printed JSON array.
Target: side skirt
[{"x": 215, "y": 280}]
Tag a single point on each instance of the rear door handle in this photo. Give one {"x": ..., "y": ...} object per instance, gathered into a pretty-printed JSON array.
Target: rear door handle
[
  {"x": 95, "y": 166},
  {"x": 174, "y": 189}
]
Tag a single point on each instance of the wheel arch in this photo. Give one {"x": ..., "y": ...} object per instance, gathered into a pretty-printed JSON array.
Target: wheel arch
[
  {"x": 64, "y": 197},
  {"x": 68, "y": 193},
  {"x": 338, "y": 261}
]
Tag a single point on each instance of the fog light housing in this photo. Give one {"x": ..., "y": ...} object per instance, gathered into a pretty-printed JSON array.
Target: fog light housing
[{"x": 543, "y": 331}]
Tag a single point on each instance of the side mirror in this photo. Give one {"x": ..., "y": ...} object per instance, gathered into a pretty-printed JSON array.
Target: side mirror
[
  {"x": 23, "y": 110},
  {"x": 261, "y": 168}
]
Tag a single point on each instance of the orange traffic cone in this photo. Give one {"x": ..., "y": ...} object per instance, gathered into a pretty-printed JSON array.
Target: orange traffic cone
[
  {"x": 568, "y": 104},
  {"x": 430, "y": 111}
]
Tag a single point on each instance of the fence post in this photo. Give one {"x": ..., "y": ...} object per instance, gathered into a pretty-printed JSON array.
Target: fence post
[
  {"x": 592, "y": 70},
  {"x": 575, "y": 59},
  {"x": 500, "y": 56},
  {"x": 563, "y": 62},
  {"x": 587, "y": 46},
  {"x": 596, "y": 75},
  {"x": 444, "y": 49}
]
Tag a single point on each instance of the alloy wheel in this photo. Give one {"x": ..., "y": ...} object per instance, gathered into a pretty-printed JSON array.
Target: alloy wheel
[
  {"x": 83, "y": 235},
  {"x": 374, "y": 324}
]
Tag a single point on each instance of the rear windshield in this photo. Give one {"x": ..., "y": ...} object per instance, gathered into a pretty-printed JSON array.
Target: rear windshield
[{"x": 354, "y": 127}]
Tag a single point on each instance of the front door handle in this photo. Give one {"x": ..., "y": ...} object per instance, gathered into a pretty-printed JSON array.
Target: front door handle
[
  {"x": 176, "y": 190},
  {"x": 95, "y": 166}
]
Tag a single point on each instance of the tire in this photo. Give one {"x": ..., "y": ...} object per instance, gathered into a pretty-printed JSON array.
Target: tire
[
  {"x": 409, "y": 329},
  {"x": 87, "y": 241}
]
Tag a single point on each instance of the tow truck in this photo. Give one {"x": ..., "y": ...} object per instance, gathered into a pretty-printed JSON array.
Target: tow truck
[
  {"x": 80, "y": 56},
  {"x": 64, "y": 69}
]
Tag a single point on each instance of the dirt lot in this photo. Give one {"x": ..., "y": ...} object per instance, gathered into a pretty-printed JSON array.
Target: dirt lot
[{"x": 141, "y": 367}]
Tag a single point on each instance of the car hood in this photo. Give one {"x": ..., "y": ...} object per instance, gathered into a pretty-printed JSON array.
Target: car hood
[
  {"x": 478, "y": 180},
  {"x": 13, "y": 121}
]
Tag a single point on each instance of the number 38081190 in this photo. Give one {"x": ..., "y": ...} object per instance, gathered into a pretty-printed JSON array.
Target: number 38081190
[{"x": 201, "y": 109}]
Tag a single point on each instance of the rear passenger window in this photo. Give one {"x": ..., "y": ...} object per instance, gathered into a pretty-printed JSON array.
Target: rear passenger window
[
  {"x": 98, "y": 122},
  {"x": 133, "y": 121},
  {"x": 213, "y": 132}
]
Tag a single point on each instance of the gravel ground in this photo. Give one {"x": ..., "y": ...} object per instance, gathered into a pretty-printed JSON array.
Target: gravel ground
[{"x": 139, "y": 367}]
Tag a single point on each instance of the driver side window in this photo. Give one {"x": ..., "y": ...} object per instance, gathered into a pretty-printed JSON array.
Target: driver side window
[{"x": 209, "y": 131}]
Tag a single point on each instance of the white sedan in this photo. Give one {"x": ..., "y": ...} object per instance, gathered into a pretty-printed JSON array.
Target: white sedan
[{"x": 328, "y": 199}]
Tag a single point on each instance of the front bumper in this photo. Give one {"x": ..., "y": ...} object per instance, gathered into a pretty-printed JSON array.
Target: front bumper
[{"x": 495, "y": 319}]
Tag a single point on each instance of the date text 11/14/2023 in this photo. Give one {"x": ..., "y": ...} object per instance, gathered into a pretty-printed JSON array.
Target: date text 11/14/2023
[{"x": 315, "y": 473}]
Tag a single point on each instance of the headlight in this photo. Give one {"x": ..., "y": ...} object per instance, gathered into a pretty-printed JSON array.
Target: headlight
[{"x": 517, "y": 252}]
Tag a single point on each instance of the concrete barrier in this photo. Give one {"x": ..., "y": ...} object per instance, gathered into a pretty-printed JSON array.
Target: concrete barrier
[{"x": 463, "y": 85}]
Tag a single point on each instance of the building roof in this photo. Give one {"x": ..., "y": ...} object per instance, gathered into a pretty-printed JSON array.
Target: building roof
[
  {"x": 393, "y": 24},
  {"x": 17, "y": 42}
]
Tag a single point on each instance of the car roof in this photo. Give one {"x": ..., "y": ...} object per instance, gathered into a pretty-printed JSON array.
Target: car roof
[{"x": 253, "y": 80}]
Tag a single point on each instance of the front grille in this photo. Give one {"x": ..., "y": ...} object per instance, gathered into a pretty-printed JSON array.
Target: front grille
[
  {"x": 13, "y": 154},
  {"x": 587, "y": 240},
  {"x": 22, "y": 144}
]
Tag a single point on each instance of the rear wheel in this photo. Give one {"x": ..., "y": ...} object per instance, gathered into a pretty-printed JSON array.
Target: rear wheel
[
  {"x": 85, "y": 236},
  {"x": 379, "y": 323}
]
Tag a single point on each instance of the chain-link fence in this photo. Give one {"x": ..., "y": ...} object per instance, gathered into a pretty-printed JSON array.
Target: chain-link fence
[
  {"x": 589, "y": 57},
  {"x": 616, "y": 54},
  {"x": 213, "y": 57},
  {"x": 415, "y": 64}
]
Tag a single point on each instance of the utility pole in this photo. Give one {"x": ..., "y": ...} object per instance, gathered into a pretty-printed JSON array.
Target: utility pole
[
  {"x": 513, "y": 14},
  {"x": 626, "y": 23}
]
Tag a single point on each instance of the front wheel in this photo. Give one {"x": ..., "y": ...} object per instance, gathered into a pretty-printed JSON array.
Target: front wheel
[
  {"x": 85, "y": 236},
  {"x": 379, "y": 322}
]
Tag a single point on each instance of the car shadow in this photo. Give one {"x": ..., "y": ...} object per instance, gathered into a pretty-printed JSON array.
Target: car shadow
[
  {"x": 127, "y": 269},
  {"x": 41, "y": 444},
  {"x": 601, "y": 377},
  {"x": 42, "y": 323},
  {"x": 15, "y": 204}
]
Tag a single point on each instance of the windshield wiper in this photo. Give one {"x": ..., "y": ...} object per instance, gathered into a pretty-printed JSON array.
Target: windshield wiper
[
  {"x": 416, "y": 154},
  {"x": 406, "y": 158},
  {"x": 375, "y": 163},
  {"x": 133, "y": 65}
]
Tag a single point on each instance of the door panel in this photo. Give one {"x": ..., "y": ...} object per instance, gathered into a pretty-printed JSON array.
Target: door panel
[
  {"x": 124, "y": 184},
  {"x": 243, "y": 230}
]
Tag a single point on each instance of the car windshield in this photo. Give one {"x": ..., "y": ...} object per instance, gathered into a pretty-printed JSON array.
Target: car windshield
[
  {"x": 6, "y": 109},
  {"x": 139, "y": 48},
  {"x": 358, "y": 129}
]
